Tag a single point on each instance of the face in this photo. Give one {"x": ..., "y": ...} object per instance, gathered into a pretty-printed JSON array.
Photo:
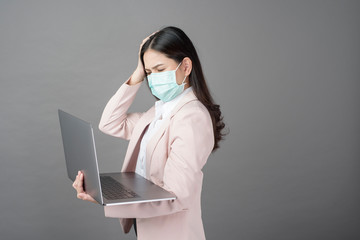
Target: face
[{"x": 158, "y": 62}]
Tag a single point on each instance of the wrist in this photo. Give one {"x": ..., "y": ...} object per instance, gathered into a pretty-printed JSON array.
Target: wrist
[{"x": 137, "y": 77}]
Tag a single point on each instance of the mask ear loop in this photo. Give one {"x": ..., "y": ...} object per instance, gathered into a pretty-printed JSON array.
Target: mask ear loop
[
  {"x": 184, "y": 80},
  {"x": 177, "y": 69},
  {"x": 178, "y": 66}
]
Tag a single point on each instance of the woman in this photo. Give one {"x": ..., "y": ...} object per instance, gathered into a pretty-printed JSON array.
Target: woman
[{"x": 170, "y": 143}]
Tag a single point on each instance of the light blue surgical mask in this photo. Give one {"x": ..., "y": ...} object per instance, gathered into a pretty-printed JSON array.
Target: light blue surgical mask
[{"x": 163, "y": 85}]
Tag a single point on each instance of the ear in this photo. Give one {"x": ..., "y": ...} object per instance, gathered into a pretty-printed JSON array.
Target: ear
[{"x": 187, "y": 66}]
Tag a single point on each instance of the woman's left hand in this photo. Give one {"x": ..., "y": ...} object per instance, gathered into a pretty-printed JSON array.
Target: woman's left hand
[{"x": 78, "y": 185}]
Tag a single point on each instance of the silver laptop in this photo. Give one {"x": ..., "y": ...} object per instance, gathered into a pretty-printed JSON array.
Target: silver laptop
[{"x": 106, "y": 188}]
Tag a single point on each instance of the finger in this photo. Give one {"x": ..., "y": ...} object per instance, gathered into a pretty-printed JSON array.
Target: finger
[
  {"x": 81, "y": 182},
  {"x": 81, "y": 196},
  {"x": 147, "y": 38},
  {"x": 78, "y": 185},
  {"x": 151, "y": 35},
  {"x": 86, "y": 197},
  {"x": 75, "y": 182}
]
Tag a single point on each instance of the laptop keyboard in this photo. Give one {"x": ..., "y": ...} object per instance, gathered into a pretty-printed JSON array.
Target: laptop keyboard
[{"x": 113, "y": 190}]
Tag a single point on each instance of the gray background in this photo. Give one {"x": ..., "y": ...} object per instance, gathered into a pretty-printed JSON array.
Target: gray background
[{"x": 286, "y": 74}]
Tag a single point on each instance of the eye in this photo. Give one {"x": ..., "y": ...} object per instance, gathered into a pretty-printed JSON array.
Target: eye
[
  {"x": 160, "y": 70},
  {"x": 148, "y": 73}
]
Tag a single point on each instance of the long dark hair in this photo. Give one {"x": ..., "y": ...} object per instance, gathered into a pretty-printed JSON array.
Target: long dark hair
[{"x": 175, "y": 44}]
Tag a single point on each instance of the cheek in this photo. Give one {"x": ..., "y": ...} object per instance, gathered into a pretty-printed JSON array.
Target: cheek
[{"x": 179, "y": 77}]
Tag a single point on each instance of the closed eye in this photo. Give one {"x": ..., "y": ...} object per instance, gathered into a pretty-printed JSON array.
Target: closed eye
[{"x": 158, "y": 70}]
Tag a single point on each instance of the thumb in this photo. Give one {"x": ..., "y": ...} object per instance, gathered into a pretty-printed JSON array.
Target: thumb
[{"x": 86, "y": 197}]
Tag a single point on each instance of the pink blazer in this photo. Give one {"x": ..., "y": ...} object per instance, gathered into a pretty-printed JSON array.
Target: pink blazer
[{"x": 175, "y": 157}]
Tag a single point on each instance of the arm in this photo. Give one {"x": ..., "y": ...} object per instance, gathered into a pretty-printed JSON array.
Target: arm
[{"x": 115, "y": 120}]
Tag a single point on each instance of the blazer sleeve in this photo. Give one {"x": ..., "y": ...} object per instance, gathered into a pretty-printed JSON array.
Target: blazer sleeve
[
  {"x": 115, "y": 120},
  {"x": 191, "y": 142}
]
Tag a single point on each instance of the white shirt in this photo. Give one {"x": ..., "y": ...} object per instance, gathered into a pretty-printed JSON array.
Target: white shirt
[{"x": 162, "y": 111}]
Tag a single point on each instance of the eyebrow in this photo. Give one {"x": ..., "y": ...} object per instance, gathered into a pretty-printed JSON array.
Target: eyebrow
[{"x": 157, "y": 65}]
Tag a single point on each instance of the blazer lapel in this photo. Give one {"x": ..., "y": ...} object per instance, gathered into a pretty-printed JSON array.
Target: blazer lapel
[
  {"x": 134, "y": 144},
  {"x": 190, "y": 96}
]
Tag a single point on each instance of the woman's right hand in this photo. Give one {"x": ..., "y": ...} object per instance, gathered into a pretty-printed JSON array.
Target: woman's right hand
[
  {"x": 78, "y": 185},
  {"x": 139, "y": 73}
]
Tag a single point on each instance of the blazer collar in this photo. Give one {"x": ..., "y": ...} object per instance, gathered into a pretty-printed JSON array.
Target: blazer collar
[
  {"x": 190, "y": 96},
  {"x": 150, "y": 114}
]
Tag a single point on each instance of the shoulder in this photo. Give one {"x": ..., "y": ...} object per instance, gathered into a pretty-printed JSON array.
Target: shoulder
[
  {"x": 192, "y": 125},
  {"x": 193, "y": 109},
  {"x": 191, "y": 115}
]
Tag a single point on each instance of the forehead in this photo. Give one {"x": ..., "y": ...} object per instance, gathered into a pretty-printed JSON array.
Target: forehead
[{"x": 153, "y": 58}]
